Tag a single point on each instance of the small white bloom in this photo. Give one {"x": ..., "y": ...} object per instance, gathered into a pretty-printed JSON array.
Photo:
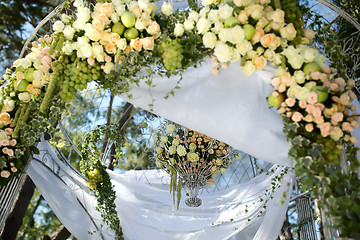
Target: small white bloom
[
  {"x": 204, "y": 11},
  {"x": 225, "y": 34},
  {"x": 67, "y": 49},
  {"x": 222, "y": 52},
  {"x": 193, "y": 16},
  {"x": 249, "y": 68},
  {"x": 25, "y": 63},
  {"x": 24, "y": 97},
  {"x": 181, "y": 151},
  {"x": 115, "y": 17},
  {"x": 172, "y": 150},
  {"x": 179, "y": 29},
  {"x": 237, "y": 35},
  {"x": 120, "y": 9},
  {"x": 209, "y": 40},
  {"x": 164, "y": 139},
  {"x": 78, "y": 3},
  {"x": 69, "y": 32},
  {"x": 175, "y": 142},
  {"x": 170, "y": 128},
  {"x": 58, "y": 26},
  {"x": 299, "y": 76},
  {"x": 83, "y": 14},
  {"x": 213, "y": 15},
  {"x": 167, "y": 8},
  {"x": 122, "y": 43},
  {"x": 225, "y": 11}
]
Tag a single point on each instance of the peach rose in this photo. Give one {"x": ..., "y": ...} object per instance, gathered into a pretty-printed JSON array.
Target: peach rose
[
  {"x": 315, "y": 75},
  {"x": 312, "y": 98},
  {"x": 98, "y": 24},
  {"x": 316, "y": 112},
  {"x": 347, "y": 127},
  {"x": 5, "y": 142},
  {"x": 243, "y": 16},
  {"x": 5, "y": 118},
  {"x": 215, "y": 71},
  {"x": 105, "y": 38},
  {"x": 275, "y": 43},
  {"x": 302, "y": 104},
  {"x": 94, "y": 35},
  {"x": 275, "y": 82},
  {"x": 309, "y": 108},
  {"x": 330, "y": 111},
  {"x": 136, "y": 44},
  {"x": 259, "y": 33},
  {"x": 281, "y": 110},
  {"x": 91, "y": 61},
  {"x": 107, "y": 58},
  {"x": 5, "y": 174},
  {"x": 128, "y": 49},
  {"x": 147, "y": 43},
  {"x": 353, "y": 140},
  {"x": 282, "y": 88},
  {"x": 8, "y": 131},
  {"x": 325, "y": 129},
  {"x": 267, "y": 39},
  {"x": 297, "y": 117},
  {"x": 20, "y": 75},
  {"x": 13, "y": 142},
  {"x": 261, "y": 23},
  {"x": 333, "y": 86},
  {"x": 354, "y": 124},
  {"x": 308, "y": 118},
  {"x": 340, "y": 81},
  {"x": 153, "y": 28},
  {"x": 319, "y": 120},
  {"x": 290, "y": 102},
  {"x": 259, "y": 62},
  {"x": 345, "y": 99},
  {"x": 337, "y": 117},
  {"x": 285, "y": 78},
  {"x": 347, "y": 138},
  {"x": 309, "y": 127},
  {"x": 110, "y": 48},
  {"x": 5, "y": 150},
  {"x": 10, "y": 152},
  {"x": 14, "y": 169},
  {"x": 106, "y": 8}
]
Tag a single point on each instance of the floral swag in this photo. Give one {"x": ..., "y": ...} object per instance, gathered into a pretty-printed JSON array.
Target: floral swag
[{"x": 112, "y": 41}]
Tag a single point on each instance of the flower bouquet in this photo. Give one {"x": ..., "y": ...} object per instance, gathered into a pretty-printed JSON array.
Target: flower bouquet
[{"x": 192, "y": 156}]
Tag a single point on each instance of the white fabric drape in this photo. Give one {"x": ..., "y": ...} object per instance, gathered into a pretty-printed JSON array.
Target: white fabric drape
[
  {"x": 145, "y": 206},
  {"x": 230, "y": 107}
]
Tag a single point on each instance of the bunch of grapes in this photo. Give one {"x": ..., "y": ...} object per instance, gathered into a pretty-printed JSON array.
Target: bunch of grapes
[
  {"x": 171, "y": 53},
  {"x": 77, "y": 74},
  {"x": 94, "y": 178},
  {"x": 293, "y": 14}
]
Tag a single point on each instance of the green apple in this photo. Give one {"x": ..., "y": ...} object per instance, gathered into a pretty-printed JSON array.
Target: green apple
[
  {"x": 118, "y": 28},
  {"x": 276, "y": 101},
  {"x": 311, "y": 67},
  {"x": 131, "y": 33},
  {"x": 249, "y": 31},
  {"x": 322, "y": 92},
  {"x": 22, "y": 85},
  {"x": 29, "y": 74},
  {"x": 231, "y": 22},
  {"x": 20, "y": 68},
  {"x": 128, "y": 19}
]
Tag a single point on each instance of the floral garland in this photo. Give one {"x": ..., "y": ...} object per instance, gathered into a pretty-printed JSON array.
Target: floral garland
[{"x": 112, "y": 41}]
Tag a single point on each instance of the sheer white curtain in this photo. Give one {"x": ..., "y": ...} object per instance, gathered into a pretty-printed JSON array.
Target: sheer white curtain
[{"x": 146, "y": 208}]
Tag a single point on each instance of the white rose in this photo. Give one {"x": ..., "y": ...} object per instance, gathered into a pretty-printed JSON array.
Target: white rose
[
  {"x": 310, "y": 54},
  {"x": 188, "y": 25},
  {"x": 140, "y": 24},
  {"x": 108, "y": 67},
  {"x": 116, "y": 3},
  {"x": 120, "y": 9},
  {"x": 86, "y": 50},
  {"x": 25, "y": 63},
  {"x": 69, "y": 32},
  {"x": 251, "y": 54},
  {"x": 217, "y": 27},
  {"x": 98, "y": 51},
  {"x": 280, "y": 71},
  {"x": 122, "y": 43},
  {"x": 235, "y": 56},
  {"x": 203, "y": 25},
  {"x": 144, "y": 4},
  {"x": 192, "y": 157},
  {"x": 225, "y": 34},
  {"x": 93, "y": 34},
  {"x": 67, "y": 49},
  {"x": 38, "y": 74},
  {"x": 175, "y": 142},
  {"x": 164, "y": 139},
  {"x": 172, "y": 150},
  {"x": 256, "y": 11},
  {"x": 24, "y": 97},
  {"x": 9, "y": 105},
  {"x": 181, "y": 151},
  {"x": 249, "y": 68},
  {"x": 58, "y": 26},
  {"x": 299, "y": 76},
  {"x": 269, "y": 54},
  {"x": 115, "y": 17},
  {"x": 243, "y": 47},
  {"x": 209, "y": 40},
  {"x": 204, "y": 11},
  {"x": 277, "y": 59},
  {"x": 225, "y": 11},
  {"x": 38, "y": 83},
  {"x": 79, "y": 25},
  {"x": 179, "y": 29},
  {"x": 170, "y": 128},
  {"x": 193, "y": 16},
  {"x": 82, "y": 40},
  {"x": 78, "y": 3},
  {"x": 302, "y": 94},
  {"x": 237, "y": 34},
  {"x": 167, "y": 8},
  {"x": 207, "y": 2},
  {"x": 222, "y": 52},
  {"x": 83, "y": 14},
  {"x": 288, "y": 32},
  {"x": 213, "y": 15},
  {"x": 65, "y": 18},
  {"x": 37, "y": 65}
]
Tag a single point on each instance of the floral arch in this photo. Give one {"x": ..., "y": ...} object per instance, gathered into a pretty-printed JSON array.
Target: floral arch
[{"x": 184, "y": 62}]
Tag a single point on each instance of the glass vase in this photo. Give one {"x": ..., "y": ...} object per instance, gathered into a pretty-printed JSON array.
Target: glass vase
[{"x": 193, "y": 182}]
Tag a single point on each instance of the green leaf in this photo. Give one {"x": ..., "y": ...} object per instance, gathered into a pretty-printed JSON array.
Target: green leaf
[{"x": 34, "y": 150}]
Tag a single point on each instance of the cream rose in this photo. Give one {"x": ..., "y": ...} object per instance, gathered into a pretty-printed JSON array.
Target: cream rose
[
  {"x": 136, "y": 44},
  {"x": 222, "y": 52},
  {"x": 256, "y": 11},
  {"x": 170, "y": 128},
  {"x": 237, "y": 34},
  {"x": 5, "y": 118},
  {"x": 147, "y": 43},
  {"x": 108, "y": 67},
  {"x": 179, "y": 29},
  {"x": 209, "y": 40},
  {"x": 181, "y": 151},
  {"x": 225, "y": 11},
  {"x": 259, "y": 62},
  {"x": 9, "y": 105},
  {"x": 288, "y": 32},
  {"x": 203, "y": 25},
  {"x": 248, "y": 68},
  {"x": 24, "y": 97},
  {"x": 153, "y": 28},
  {"x": 193, "y": 157},
  {"x": 244, "y": 47},
  {"x": 58, "y": 26},
  {"x": 172, "y": 150},
  {"x": 188, "y": 25},
  {"x": 167, "y": 8}
]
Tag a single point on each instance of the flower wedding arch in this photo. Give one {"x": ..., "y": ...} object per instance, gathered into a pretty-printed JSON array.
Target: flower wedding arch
[{"x": 122, "y": 43}]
